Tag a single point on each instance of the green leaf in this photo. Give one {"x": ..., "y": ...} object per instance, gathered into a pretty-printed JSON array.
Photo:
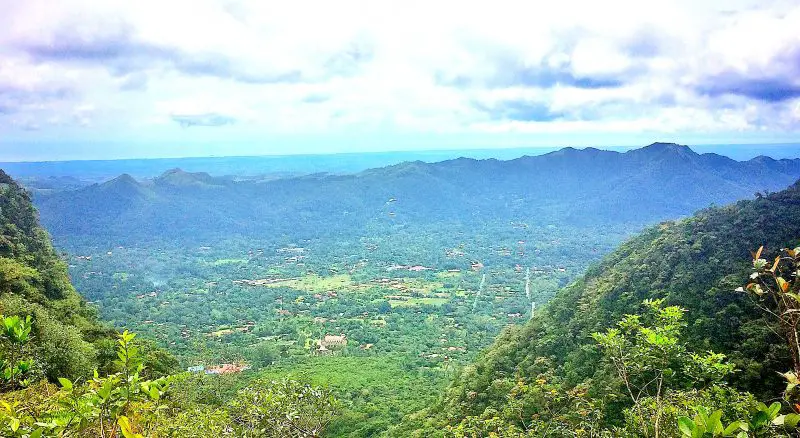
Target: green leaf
[
  {"x": 794, "y": 295},
  {"x": 686, "y": 425},
  {"x": 732, "y": 428},
  {"x": 125, "y": 427},
  {"x": 760, "y": 419},
  {"x": 714, "y": 422},
  {"x": 774, "y": 409},
  {"x": 791, "y": 420},
  {"x": 65, "y": 383}
]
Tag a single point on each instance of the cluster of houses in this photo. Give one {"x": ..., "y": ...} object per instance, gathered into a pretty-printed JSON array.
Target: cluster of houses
[
  {"x": 454, "y": 253},
  {"x": 291, "y": 250},
  {"x": 412, "y": 268},
  {"x": 147, "y": 295},
  {"x": 261, "y": 281},
  {"x": 226, "y": 368},
  {"x": 393, "y": 283}
]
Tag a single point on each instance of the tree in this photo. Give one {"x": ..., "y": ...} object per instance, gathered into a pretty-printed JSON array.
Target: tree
[
  {"x": 285, "y": 408},
  {"x": 776, "y": 290},
  {"x": 654, "y": 366},
  {"x": 14, "y": 366}
]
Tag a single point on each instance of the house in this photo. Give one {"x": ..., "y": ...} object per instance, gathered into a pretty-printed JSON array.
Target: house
[
  {"x": 196, "y": 369},
  {"x": 333, "y": 341},
  {"x": 330, "y": 344}
]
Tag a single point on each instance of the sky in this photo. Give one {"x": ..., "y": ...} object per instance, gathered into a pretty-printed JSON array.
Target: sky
[{"x": 99, "y": 79}]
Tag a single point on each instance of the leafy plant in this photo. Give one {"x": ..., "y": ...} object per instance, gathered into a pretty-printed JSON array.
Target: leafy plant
[
  {"x": 650, "y": 360},
  {"x": 710, "y": 425},
  {"x": 14, "y": 337},
  {"x": 776, "y": 289}
]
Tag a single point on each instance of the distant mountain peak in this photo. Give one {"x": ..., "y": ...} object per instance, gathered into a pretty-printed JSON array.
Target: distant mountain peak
[
  {"x": 663, "y": 146},
  {"x": 173, "y": 171},
  {"x": 123, "y": 186},
  {"x": 124, "y": 179},
  {"x": 180, "y": 177},
  {"x": 660, "y": 150},
  {"x": 763, "y": 159}
]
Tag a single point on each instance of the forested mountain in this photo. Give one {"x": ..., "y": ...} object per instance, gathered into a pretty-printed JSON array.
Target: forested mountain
[
  {"x": 34, "y": 281},
  {"x": 696, "y": 263},
  {"x": 589, "y": 187}
]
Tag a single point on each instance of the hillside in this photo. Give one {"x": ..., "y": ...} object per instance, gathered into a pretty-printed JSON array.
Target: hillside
[
  {"x": 695, "y": 263},
  {"x": 34, "y": 281},
  {"x": 586, "y": 187}
]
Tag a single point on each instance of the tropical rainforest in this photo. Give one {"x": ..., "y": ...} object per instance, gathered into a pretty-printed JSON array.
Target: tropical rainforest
[{"x": 577, "y": 293}]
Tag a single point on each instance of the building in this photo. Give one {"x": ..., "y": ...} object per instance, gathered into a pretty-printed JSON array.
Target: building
[
  {"x": 330, "y": 344},
  {"x": 333, "y": 341}
]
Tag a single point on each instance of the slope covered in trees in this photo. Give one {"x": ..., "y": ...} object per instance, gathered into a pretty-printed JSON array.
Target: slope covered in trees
[
  {"x": 696, "y": 263},
  {"x": 34, "y": 281}
]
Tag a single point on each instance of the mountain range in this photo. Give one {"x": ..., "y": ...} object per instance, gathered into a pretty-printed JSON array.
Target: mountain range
[{"x": 588, "y": 186}]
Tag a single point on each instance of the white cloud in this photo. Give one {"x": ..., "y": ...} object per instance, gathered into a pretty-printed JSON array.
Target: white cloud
[{"x": 616, "y": 66}]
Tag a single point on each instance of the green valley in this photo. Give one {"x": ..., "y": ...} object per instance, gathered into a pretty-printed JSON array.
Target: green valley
[{"x": 405, "y": 317}]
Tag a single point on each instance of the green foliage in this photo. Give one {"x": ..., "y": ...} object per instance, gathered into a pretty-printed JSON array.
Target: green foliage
[
  {"x": 762, "y": 421},
  {"x": 710, "y": 425},
  {"x": 34, "y": 282},
  {"x": 695, "y": 263},
  {"x": 282, "y": 409},
  {"x": 127, "y": 404},
  {"x": 776, "y": 289},
  {"x": 14, "y": 366},
  {"x": 376, "y": 392},
  {"x": 98, "y": 406},
  {"x": 656, "y": 369},
  {"x": 541, "y": 407}
]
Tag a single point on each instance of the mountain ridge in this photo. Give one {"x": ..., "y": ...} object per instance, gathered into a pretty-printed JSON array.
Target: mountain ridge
[{"x": 583, "y": 186}]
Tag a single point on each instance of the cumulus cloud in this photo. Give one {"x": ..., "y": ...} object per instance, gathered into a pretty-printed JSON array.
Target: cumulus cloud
[{"x": 362, "y": 65}]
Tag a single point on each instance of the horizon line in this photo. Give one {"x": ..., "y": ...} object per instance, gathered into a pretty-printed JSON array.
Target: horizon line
[{"x": 396, "y": 151}]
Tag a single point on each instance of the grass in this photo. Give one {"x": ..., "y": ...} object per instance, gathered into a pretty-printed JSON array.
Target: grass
[
  {"x": 314, "y": 283},
  {"x": 411, "y": 302}
]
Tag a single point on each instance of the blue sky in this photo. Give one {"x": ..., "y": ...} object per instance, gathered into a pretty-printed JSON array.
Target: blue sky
[{"x": 95, "y": 79}]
